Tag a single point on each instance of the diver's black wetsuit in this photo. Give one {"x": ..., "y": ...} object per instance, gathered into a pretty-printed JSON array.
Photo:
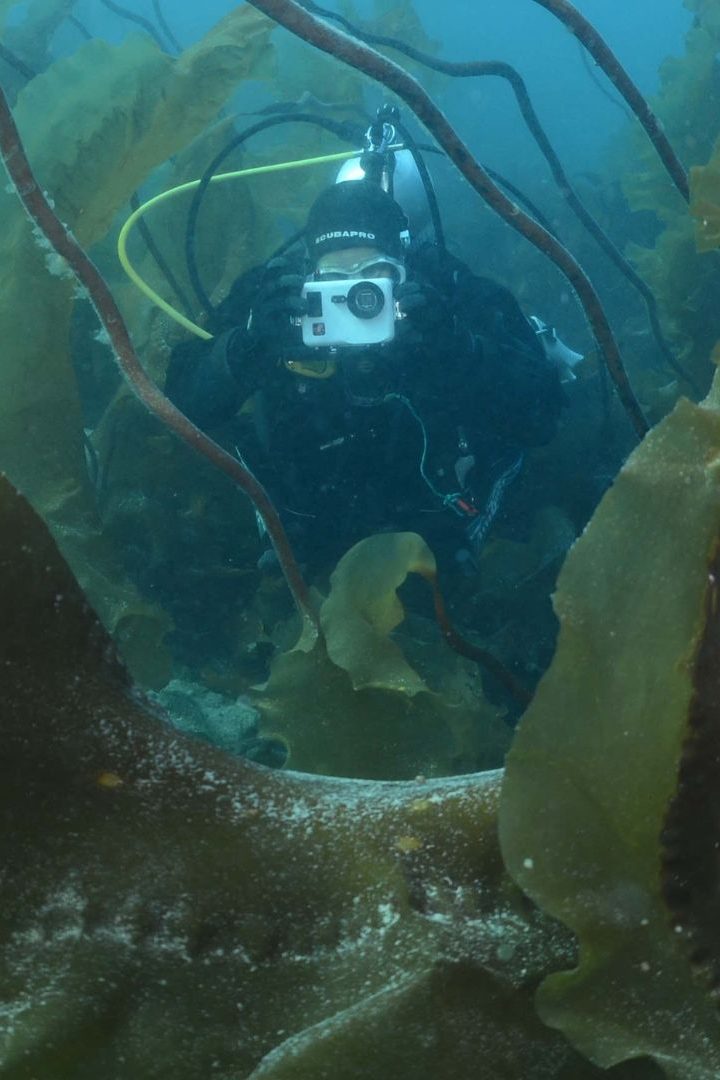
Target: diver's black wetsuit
[{"x": 344, "y": 456}]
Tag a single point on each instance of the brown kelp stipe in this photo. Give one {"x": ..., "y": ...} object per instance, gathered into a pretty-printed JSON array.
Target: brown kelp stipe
[
  {"x": 141, "y": 21},
  {"x": 296, "y": 19},
  {"x": 162, "y": 23},
  {"x": 80, "y": 27},
  {"x": 532, "y": 121},
  {"x": 473, "y": 652},
  {"x": 37, "y": 207},
  {"x": 16, "y": 63},
  {"x": 603, "y": 55}
]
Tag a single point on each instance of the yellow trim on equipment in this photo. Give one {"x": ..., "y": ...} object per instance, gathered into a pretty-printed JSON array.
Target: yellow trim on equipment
[
  {"x": 312, "y": 369},
  {"x": 190, "y": 186}
]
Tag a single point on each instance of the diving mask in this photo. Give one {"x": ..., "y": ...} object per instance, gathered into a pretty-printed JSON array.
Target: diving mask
[{"x": 351, "y": 263}]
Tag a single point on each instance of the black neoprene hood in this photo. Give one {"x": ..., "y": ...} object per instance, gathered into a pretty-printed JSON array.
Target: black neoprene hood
[{"x": 355, "y": 213}]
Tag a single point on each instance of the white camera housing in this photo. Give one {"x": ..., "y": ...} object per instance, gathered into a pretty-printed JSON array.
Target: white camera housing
[{"x": 353, "y": 311}]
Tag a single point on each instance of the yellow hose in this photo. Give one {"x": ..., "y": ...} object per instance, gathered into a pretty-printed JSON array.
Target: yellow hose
[{"x": 190, "y": 186}]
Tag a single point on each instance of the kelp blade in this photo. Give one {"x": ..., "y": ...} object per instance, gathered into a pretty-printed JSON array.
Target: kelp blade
[
  {"x": 167, "y": 908},
  {"x": 595, "y": 762}
]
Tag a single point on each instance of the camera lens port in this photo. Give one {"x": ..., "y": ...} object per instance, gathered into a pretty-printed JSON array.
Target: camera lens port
[{"x": 365, "y": 300}]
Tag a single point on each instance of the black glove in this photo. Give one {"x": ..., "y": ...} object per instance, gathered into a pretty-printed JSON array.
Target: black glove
[
  {"x": 277, "y": 300},
  {"x": 424, "y": 309}
]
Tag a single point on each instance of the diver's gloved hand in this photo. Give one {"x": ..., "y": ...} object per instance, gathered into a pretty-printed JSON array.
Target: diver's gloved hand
[
  {"x": 277, "y": 300},
  {"x": 423, "y": 306}
]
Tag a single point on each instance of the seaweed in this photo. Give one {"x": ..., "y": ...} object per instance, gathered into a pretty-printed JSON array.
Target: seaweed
[
  {"x": 679, "y": 268},
  {"x": 599, "y": 755},
  {"x": 362, "y": 703},
  {"x": 705, "y": 204},
  {"x": 92, "y": 140},
  {"x": 139, "y": 20},
  {"x": 31, "y": 38},
  {"x": 163, "y": 902},
  {"x": 689, "y": 839}
]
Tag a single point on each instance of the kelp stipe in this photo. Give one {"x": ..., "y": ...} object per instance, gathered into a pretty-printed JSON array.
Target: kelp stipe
[
  {"x": 140, "y": 21},
  {"x": 16, "y": 63},
  {"x": 606, "y": 59}
]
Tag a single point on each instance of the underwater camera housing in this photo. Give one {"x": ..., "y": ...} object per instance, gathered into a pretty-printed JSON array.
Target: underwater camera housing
[{"x": 353, "y": 311}]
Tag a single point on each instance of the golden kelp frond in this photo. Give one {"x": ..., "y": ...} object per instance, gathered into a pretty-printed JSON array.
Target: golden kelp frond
[
  {"x": 690, "y": 838},
  {"x": 31, "y": 38},
  {"x": 363, "y": 609},
  {"x": 596, "y": 758},
  {"x": 705, "y": 202},
  {"x": 98, "y": 122},
  {"x": 707, "y": 11},
  {"x": 684, "y": 284},
  {"x": 401, "y": 20},
  {"x": 359, "y": 705},
  {"x": 688, "y": 104},
  {"x": 707, "y": 214}
]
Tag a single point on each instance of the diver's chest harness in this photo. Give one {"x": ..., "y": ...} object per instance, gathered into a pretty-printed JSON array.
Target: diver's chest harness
[{"x": 344, "y": 438}]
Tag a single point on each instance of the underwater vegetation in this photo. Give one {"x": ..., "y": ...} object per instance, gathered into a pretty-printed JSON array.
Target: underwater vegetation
[{"x": 169, "y": 908}]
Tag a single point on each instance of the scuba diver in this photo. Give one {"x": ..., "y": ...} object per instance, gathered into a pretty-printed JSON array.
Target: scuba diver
[{"x": 391, "y": 387}]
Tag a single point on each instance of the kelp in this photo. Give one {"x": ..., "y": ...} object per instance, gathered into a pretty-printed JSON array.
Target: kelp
[
  {"x": 705, "y": 205},
  {"x": 150, "y": 481},
  {"x": 684, "y": 281},
  {"x": 402, "y": 21},
  {"x": 164, "y": 103},
  {"x": 599, "y": 755},
  {"x": 96, "y": 122},
  {"x": 687, "y": 103},
  {"x": 362, "y": 703},
  {"x": 593, "y": 42},
  {"x": 31, "y": 38},
  {"x": 363, "y": 609},
  {"x": 686, "y": 284},
  {"x": 164, "y": 905},
  {"x": 691, "y": 887}
]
